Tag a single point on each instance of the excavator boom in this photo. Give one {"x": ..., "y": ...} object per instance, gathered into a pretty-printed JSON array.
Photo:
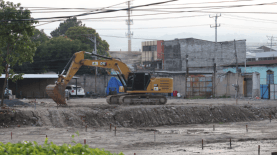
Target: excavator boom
[
  {"x": 57, "y": 91},
  {"x": 138, "y": 87}
]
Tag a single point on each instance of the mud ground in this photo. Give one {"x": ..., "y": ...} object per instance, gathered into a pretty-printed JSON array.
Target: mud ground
[{"x": 179, "y": 126}]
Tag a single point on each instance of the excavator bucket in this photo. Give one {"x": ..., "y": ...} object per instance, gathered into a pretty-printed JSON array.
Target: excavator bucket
[{"x": 57, "y": 93}]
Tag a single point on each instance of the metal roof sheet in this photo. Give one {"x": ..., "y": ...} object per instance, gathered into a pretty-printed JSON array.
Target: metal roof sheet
[
  {"x": 253, "y": 63},
  {"x": 39, "y": 76}
]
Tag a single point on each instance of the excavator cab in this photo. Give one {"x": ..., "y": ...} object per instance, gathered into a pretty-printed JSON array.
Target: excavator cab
[{"x": 138, "y": 81}]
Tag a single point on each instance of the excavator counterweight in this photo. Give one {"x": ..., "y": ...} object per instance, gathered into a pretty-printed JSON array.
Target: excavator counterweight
[{"x": 138, "y": 87}]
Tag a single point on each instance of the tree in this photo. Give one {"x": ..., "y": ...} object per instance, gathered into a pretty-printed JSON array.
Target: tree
[
  {"x": 29, "y": 67},
  {"x": 54, "y": 54},
  {"x": 70, "y": 22},
  {"x": 16, "y": 46},
  {"x": 83, "y": 33},
  {"x": 39, "y": 36}
]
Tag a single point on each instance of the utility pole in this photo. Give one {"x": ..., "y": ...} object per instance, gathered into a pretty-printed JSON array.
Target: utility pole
[
  {"x": 129, "y": 22},
  {"x": 216, "y": 16},
  {"x": 85, "y": 84},
  {"x": 237, "y": 71},
  {"x": 214, "y": 77},
  {"x": 271, "y": 38},
  {"x": 95, "y": 58},
  {"x": 187, "y": 75}
]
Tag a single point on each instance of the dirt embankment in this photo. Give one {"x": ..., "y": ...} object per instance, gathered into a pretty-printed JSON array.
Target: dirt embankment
[{"x": 138, "y": 116}]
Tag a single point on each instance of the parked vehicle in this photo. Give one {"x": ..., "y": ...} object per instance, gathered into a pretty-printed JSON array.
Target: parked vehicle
[{"x": 72, "y": 91}]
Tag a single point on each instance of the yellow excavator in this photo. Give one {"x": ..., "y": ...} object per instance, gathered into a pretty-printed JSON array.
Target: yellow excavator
[{"x": 138, "y": 88}]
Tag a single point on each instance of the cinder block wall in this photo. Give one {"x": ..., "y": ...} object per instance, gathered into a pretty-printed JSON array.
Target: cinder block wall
[{"x": 201, "y": 53}]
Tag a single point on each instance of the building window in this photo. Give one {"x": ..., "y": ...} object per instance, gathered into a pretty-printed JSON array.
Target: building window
[
  {"x": 149, "y": 48},
  {"x": 250, "y": 59},
  {"x": 270, "y": 77}
]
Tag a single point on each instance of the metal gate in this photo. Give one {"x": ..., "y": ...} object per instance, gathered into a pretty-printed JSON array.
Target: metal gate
[
  {"x": 273, "y": 91},
  {"x": 199, "y": 86},
  {"x": 264, "y": 91}
]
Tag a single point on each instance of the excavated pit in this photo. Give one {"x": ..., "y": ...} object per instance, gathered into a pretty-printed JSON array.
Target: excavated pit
[{"x": 133, "y": 116}]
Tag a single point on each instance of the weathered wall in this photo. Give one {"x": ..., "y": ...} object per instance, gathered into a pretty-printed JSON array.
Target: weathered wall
[
  {"x": 172, "y": 56},
  {"x": 201, "y": 53},
  {"x": 256, "y": 84},
  {"x": 260, "y": 69},
  {"x": 224, "y": 83},
  {"x": 179, "y": 82}
]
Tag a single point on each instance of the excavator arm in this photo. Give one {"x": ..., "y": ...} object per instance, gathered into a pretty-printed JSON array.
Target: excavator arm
[{"x": 57, "y": 91}]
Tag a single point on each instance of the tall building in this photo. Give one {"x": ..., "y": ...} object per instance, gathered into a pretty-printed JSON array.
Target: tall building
[{"x": 152, "y": 54}]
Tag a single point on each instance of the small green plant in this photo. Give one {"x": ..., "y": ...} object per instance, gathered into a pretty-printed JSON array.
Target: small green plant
[
  {"x": 72, "y": 137},
  {"x": 32, "y": 148},
  {"x": 198, "y": 97},
  {"x": 220, "y": 122}
]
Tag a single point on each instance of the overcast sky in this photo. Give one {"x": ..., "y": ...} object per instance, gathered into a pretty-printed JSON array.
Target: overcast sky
[{"x": 233, "y": 25}]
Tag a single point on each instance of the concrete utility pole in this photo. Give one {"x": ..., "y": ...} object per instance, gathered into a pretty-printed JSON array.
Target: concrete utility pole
[
  {"x": 271, "y": 39},
  {"x": 237, "y": 71},
  {"x": 187, "y": 75},
  {"x": 214, "y": 77},
  {"x": 95, "y": 52},
  {"x": 129, "y": 22},
  {"x": 216, "y": 16}
]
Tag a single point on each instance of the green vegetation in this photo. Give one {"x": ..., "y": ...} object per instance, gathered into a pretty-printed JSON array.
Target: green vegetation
[
  {"x": 53, "y": 53},
  {"x": 16, "y": 46},
  {"x": 32, "y": 148},
  {"x": 224, "y": 96},
  {"x": 198, "y": 97}
]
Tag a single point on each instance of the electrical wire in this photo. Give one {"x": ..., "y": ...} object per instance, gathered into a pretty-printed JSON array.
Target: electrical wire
[
  {"x": 91, "y": 13},
  {"x": 159, "y": 9},
  {"x": 54, "y": 8},
  {"x": 157, "y": 27}
]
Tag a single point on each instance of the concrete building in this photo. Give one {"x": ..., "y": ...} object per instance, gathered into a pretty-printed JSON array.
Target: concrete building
[
  {"x": 152, "y": 54},
  {"x": 201, "y": 53},
  {"x": 266, "y": 69}
]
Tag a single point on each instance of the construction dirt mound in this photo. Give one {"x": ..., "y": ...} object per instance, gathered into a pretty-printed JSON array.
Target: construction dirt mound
[{"x": 134, "y": 116}]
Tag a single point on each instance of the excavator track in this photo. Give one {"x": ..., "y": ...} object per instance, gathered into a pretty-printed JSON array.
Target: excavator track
[
  {"x": 57, "y": 93},
  {"x": 114, "y": 99},
  {"x": 137, "y": 99}
]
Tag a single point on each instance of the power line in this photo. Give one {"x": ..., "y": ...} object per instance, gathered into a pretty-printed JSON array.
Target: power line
[
  {"x": 85, "y": 14},
  {"x": 252, "y": 20},
  {"x": 271, "y": 38},
  {"x": 159, "y": 5},
  {"x": 153, "y": 9}
]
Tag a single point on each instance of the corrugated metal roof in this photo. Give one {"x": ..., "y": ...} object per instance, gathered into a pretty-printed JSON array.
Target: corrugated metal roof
[
  {"x": 184, "y": 72},
  {"x": 253, "y": 63},
  {"x": 39, "y": 76}
]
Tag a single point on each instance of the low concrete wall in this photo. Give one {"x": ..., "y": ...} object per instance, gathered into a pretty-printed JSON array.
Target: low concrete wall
[
  {"x": 256, "y": 85},
  {"x": 223, "y": 84}
]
